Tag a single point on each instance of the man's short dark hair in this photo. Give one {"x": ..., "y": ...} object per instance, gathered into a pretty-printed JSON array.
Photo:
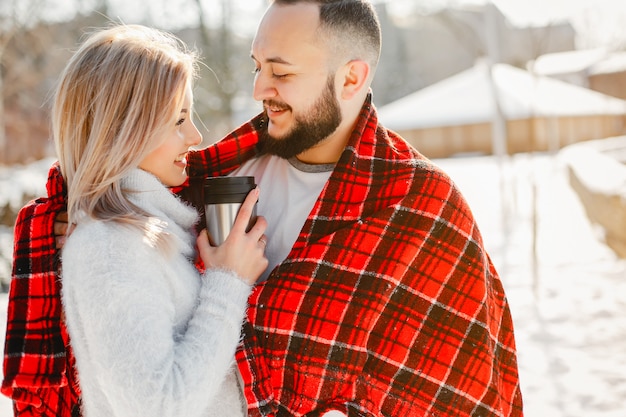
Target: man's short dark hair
[{"x": 350, "y": 26}]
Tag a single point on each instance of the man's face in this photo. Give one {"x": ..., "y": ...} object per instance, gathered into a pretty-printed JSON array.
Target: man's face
[{"x": 293, "y": 80}]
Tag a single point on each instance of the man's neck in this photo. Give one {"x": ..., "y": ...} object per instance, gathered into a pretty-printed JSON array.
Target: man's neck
[{"x": 330, "y": 149}]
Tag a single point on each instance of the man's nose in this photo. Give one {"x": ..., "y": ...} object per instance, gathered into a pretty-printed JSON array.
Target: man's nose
[{"x": 264, "y": 87}]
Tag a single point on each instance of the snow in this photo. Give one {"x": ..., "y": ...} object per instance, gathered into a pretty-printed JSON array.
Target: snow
[
  {"x": 19, "y": 180},
  {"x": 616, "y": 62},
  {"x": 568, "y": 62},
  {"x": 567, "y": 295},
  {"x": 18, "y": 183}
]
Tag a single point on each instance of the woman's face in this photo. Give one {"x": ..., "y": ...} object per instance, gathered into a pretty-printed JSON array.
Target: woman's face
[{"x": 169, "y": 161}]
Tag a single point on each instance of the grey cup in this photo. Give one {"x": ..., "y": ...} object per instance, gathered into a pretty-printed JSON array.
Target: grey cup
[{"x": 223, "y": 197}]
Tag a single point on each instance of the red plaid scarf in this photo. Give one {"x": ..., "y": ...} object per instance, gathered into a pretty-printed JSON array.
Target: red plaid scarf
[{"x": 388, "y": 304}]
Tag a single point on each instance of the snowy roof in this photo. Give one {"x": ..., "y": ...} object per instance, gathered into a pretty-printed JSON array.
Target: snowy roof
[
  {"x": 616, "y": 62},
  {"x": 569, "y": 61},
  {"x": 592, "y": 61},
  {"x": 466, "y": 98}
]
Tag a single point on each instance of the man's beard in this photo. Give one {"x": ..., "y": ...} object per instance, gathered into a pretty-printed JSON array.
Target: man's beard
[{"x": 309, "y": 130}]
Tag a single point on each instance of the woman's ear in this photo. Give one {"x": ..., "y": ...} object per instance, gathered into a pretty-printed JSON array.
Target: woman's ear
[{"x": 356, "y": 77}]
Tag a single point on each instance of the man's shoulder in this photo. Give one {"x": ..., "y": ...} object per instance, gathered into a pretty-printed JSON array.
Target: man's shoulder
[
  {"x": 403, "y": 160},
  {"x": 42, "y": 207},
  {"x": 423, "y": 180},
  {"x": 37, "y": 217}
]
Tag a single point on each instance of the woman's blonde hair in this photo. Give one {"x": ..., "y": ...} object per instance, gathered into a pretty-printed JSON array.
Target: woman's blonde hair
[{"x": 117, "y": 94}]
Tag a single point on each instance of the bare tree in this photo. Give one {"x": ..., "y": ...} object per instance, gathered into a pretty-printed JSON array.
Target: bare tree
[
  {"x": 33, "y": 52},
  {"x": 9, "y": 26},
  {"x": 19, "y": 36},
  {"x": 221, "y": 47}
]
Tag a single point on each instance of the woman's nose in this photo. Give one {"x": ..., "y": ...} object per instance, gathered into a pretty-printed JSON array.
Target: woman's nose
[{"x": 194, "y": 137}]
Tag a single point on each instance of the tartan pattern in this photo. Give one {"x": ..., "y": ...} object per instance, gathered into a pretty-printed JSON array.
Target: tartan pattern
[
  {"x": 37, "y": 358},
  {"x": 38, "y": 364},
  {"x": 387, "y": 305}
]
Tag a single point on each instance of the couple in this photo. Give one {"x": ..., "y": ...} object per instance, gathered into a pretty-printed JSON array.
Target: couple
[{"x": 374, "y": 296}]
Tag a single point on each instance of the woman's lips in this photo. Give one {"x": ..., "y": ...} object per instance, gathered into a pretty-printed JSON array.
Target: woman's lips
[{"x": 181, "y": 160}]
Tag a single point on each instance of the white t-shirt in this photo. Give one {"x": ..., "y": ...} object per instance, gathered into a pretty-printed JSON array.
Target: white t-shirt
[{"x": 289, "y": 189}]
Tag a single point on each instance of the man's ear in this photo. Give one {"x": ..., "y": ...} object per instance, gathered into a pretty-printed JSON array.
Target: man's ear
[{"x": 356, "y": 76}]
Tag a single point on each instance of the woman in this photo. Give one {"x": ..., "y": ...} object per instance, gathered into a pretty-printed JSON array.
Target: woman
[{"x": 152, "y": 336}]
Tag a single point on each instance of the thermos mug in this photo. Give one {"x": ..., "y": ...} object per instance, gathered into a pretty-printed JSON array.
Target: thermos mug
[{"x": 223, "y": 197}]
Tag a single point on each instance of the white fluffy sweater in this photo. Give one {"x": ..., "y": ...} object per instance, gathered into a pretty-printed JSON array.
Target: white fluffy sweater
[{"x": 151, "y": 336}]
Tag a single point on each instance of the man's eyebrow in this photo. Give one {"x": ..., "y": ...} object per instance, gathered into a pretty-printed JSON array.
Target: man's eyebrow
[{"x": 275, "y": 60}]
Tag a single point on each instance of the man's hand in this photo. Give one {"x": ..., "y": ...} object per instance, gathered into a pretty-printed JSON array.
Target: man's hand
[{"x": 61, "y": 229}]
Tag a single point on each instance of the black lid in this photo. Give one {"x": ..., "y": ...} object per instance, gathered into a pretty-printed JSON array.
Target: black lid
[{"x": 228, "y": 185}]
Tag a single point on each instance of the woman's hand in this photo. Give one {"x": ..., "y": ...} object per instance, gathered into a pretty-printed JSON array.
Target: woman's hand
[{"x": 241, "y": 252}]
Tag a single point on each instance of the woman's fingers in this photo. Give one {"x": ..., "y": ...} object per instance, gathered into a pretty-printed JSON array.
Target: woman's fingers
[
  {"x": 203, "y": 241},
  {"x": 242, "y": 252},
  {"x": 245, "y": 212}
]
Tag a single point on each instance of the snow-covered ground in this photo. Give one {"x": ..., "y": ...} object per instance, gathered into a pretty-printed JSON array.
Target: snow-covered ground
[{"x": 567, "y": 289}]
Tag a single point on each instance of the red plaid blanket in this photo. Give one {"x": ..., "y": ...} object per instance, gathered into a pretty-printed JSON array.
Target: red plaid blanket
[
  {"x": 36, "y": 354},
  {"x": 388, "y": 304}
]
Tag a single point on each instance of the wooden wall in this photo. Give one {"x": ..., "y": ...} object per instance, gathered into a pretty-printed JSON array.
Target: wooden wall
[{"x": 538, "y": 134}]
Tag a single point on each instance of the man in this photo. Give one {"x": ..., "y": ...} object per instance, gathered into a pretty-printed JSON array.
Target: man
[
  {"x": 380, "y": 299},
  {"x": 383, "y": 300}
]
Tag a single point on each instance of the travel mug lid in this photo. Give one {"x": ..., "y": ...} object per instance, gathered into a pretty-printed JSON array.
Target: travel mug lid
[{"x": 214, "y": 187}]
